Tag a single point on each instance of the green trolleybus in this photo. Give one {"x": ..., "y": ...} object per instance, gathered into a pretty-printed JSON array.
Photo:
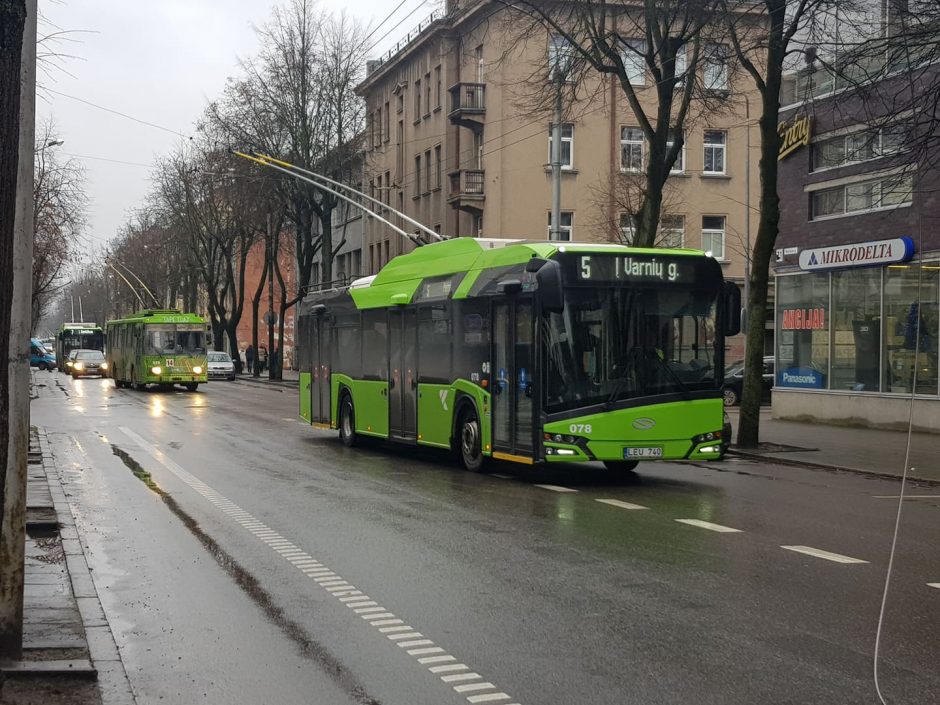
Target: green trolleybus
[
  {"x": 77, "y": 336},
  {"x": 525, "y": 351},
  {"x": 162, "y": 347}
]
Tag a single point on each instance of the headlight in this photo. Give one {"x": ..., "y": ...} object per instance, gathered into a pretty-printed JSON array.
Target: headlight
[
  {"x": 197, "y": 370},
  {"x": 104, "y": 365},
  {"x": 156, "y": 369},
  {"x": 79, "y": 366},
  {"x": 69, "y": 363}
]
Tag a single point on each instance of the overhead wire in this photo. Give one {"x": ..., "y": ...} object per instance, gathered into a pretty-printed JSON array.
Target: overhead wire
[{"x": 119, "y": 113}]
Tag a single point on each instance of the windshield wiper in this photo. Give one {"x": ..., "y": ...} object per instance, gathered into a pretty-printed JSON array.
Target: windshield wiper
[
  {"x": 647, "y": 352},
  {"x": 665, "y": 365}
]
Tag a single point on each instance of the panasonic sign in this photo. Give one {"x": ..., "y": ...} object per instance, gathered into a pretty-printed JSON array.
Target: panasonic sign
[{"x": 860, "y": 254}]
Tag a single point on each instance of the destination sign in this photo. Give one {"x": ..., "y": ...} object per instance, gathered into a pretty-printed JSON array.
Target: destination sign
[{"x": 632, "y": 268}]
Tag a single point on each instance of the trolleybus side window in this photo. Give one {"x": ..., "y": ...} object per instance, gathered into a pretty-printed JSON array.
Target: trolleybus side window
[{"x": 374, "y": 344}]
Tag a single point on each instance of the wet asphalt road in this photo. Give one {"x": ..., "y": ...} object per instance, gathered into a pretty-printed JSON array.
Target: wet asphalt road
[{"x": 266, "y": 563}]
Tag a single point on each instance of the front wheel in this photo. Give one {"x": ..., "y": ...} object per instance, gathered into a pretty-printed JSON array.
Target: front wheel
[
  {"x": 190, "y": 386},
  {"x": 621, "y": 465},
  {"x": 347, "y": 422},
  {"x": 469, "y": 440},
  {"x": 730, "y": 396},
  {"x": 42, "y": 366}
]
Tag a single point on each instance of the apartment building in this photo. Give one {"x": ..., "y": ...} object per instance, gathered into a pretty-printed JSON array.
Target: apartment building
[{"x": 452, "y": 142}]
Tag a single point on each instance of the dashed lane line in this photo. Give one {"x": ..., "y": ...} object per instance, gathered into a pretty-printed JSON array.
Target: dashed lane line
[
  {"x": 825, "y": 555},
  {"x": 621, "y": 504},
  {"x": 556, "y": 488},
  {"x": 414, "y": 643},
  {"x": 708, "y": 525},
  {"x": 933, "y": 585}
]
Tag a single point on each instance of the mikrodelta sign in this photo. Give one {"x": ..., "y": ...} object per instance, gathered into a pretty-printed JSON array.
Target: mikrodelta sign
[{"x": 859, "y": 254}]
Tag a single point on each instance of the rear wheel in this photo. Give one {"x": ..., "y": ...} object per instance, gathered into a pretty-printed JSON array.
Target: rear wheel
[
  {"x": 469, "y": 441},
  {"x": 347, "y": 422},
  {"x": 621, "y": 465}
]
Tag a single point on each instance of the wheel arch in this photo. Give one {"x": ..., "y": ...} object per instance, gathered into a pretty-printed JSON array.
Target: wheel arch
[{"x": 462, "y": 401}]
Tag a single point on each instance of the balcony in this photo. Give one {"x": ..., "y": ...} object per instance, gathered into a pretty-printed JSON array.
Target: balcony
[
  {"x": 466, "y": 190},
  {"x": 468, "y": 105}
]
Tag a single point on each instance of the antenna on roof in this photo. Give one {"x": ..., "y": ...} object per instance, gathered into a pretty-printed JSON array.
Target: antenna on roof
[{"x": 317, "y": 180}]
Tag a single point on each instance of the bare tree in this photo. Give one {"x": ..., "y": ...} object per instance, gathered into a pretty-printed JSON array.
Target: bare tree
[
  {"x": 669, "y": 41},
  {"x": 59, "y": 206},
  {"x": 765, "y": 40}
]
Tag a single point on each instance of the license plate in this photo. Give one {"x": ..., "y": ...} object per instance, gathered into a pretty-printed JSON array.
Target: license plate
[{"x": 645, "y": 452}]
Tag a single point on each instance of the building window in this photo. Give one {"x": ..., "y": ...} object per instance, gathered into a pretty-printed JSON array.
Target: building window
[
  {"x": 671, "y": 231},
  {"x": 716, "y": 67},
  {"x": 478, "y": 54},
  {"x": 715, "y": 146},
  {"x": 427, "y": 171},
  {"x": 858, "y": 147},
  {"x": 567, "y": 145},
  {"x": 437, "y": 89},
  {"x": 627, "y": 228},
  {"x": 370, "y": 119},
  {"x": 427, "y": 94},
  {"x": 862, "y": 196},
  {"x": 856, "y": 324},
  {"x": 417, "y": 100},
  {"x": 713, "y": 235},
  {"x": 802, "y": 331},
  {"x": 400, "y": 104},
  {"x": 387, "y": 194},
  {"x": 417, "y": 175},
  {"x": 632, "y": 147},
  {"x": 566, "y": 226},
  {"x": 682, "y": 62},
  {"x": 386, "y": 132},
  {"x": 400, "y": 149},
  {"x": 438, "y": 167},
  {"x": 560, "y": 56},
  {"x": 478, "y": 225},
  {"x": 634, "y": 61},
  {"x": 678, "y": 166},
  {"x": 910, "y": 303},
  {"x": 386, "y": 246}
]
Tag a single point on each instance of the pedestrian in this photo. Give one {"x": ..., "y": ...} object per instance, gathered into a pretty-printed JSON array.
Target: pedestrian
[
  {"x": 263, "y": 357},
  {"x": 249, "y": 358}
]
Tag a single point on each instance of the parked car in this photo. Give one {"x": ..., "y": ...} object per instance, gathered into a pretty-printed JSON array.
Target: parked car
[
  {"x": 88, "y": 362},
  {"x": 221, "y": 366},
  {"x": 734, "y": 381},
  {"x": 40, "y": 356}
]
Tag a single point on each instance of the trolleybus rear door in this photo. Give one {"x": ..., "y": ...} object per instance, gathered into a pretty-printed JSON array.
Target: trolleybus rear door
[
  {"x": 513, "y": 378},
  {"x": 320, "y": 369},
  {"x": 402, "y": 375}
]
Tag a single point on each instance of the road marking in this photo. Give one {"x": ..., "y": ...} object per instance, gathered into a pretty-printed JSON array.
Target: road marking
[
  {"x": 826, "y": 555},
  {"x": 907, "y": 496},
  {"x": 708, "y": 525},
  {"x": 425, "y": 651},
  {"x": 501, "y": 477},
  {"x": 457, "y": 677},
  {"x": 556, "y": 488},
  {"x": 621, "y": 504},
  {"x": 933, "y": 585}
]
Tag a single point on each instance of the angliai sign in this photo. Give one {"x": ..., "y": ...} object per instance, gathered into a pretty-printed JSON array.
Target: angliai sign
[{"x": 860, "y": 254}]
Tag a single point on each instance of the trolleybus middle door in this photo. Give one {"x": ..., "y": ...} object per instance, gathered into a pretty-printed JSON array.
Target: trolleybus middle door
[{"x": 402, "y": 374}]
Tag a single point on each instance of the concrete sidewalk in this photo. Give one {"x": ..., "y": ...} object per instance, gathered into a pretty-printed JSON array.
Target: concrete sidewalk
[
  {"x": 845, "y": 448},
  {"x": 290, "y": 379}
]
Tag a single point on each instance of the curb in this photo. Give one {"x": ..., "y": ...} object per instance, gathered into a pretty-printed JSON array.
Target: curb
[
  {"x": 113, "y": 683},
  {"x": 264, "y": 382},
  {"x": 831, "y": 468}
]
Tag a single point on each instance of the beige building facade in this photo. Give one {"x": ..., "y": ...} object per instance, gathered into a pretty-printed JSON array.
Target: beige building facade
[{"x": 454, "y": 141}]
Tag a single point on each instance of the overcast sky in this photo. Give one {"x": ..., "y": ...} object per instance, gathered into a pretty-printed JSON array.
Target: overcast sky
[{"x": 160, "y": 61}]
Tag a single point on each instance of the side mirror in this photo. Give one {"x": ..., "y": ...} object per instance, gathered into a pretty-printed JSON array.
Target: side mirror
[
  {"x": 318, "y": 309},
  {"x": 551, "y": 292},
  {"x": 731, "y": 301}
]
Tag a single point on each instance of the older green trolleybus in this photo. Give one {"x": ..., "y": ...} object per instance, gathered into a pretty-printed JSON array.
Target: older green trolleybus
[
  {"x": 160, "y": 347},
  {"x": 525, "y": 351}
]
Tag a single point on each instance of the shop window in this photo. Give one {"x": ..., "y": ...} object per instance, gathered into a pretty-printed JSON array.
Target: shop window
[
  {"x": 910, "y": 331},
  {"x": 802, "y": 331},
  {"x": 856, "y": 330}
]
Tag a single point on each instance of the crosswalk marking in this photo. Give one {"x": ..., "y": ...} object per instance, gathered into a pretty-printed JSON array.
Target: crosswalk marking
[{"x": 825, "y": 555}]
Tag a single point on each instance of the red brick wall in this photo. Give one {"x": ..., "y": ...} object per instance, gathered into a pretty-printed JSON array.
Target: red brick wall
[{"x": 253, "y": 271}]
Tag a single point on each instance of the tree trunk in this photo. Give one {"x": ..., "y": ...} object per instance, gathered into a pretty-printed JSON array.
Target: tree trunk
[
  {"x": 255, "y": 370},
  {"x": 749, "y": 424}
]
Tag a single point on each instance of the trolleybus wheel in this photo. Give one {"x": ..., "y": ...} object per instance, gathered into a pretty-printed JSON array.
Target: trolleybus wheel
[
  {"x": 621, "y": 465},
  {"x": 190, "y": 386},
  {"x": 347, "y": 421},
  {"x": 468, "y": 439},
  {"x": 42, "y": 366}
]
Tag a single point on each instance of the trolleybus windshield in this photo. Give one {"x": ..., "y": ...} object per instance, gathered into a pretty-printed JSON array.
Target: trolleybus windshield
[{"x": 176, "y": 339}]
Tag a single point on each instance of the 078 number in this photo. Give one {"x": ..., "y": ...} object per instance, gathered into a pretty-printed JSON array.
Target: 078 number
[{"x": 580, "y": 428}]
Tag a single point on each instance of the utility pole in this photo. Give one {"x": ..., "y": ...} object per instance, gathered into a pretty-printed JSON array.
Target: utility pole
[
  {"x": 269, "y": 316},
  {"x": 14, "y": 408},
  {"x": 556, "y": 159},
  {"x": 747, "y": 210}
]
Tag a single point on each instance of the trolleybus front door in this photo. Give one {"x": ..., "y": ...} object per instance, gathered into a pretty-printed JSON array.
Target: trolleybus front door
[
  {"x": 513, "y": 377},
  {"x": 402, "y": 375}
]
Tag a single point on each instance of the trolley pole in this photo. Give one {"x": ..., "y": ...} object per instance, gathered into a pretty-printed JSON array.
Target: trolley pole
[{"x": 556, "y": 159}]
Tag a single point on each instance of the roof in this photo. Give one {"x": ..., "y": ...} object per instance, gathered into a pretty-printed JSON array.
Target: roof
[
  {"x": 170, "y": 315},
  {"x": 84, "y": 325},
  {"x": 404, "y": 274}
]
